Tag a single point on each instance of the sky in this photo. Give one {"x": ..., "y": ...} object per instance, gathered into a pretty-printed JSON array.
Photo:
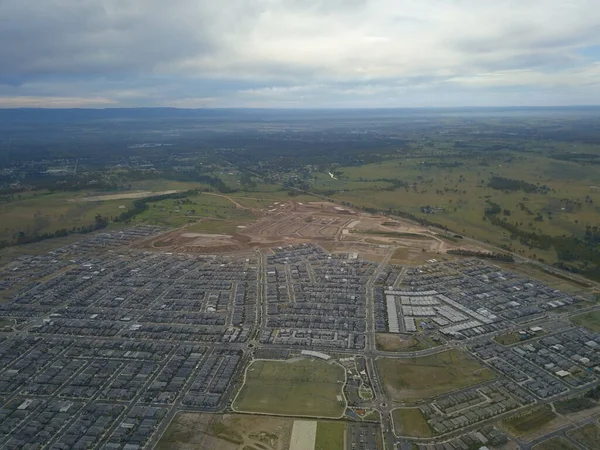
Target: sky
[{"x": 299, "y": 53}]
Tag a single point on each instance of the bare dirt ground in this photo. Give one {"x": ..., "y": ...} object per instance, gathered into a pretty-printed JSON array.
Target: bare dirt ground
[
  {"x": 201, "y": 431},
  {"x": 336, "y": 228},
  {"x": 128, "y": 195},
  {"x": 304, "y": 434}
]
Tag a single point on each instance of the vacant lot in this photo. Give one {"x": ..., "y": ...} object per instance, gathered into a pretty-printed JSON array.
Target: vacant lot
[
  {"x": 508, "y": 338},
  {"x": 411, "y": 422},
  {"x": 587, "y": 435},
  {"x": 389, "y": 342},
  {"x": 589, "y": 320},
  {"x": 556, "y": 443},
  {"x": 573, "y": 405},
  {"x": 330, "y": 436},
  {"x": 304, "y": 434},
  {"x": 409, "y": 380},
  {"x": 296, "y": 387},
  {"x": 197, "y": 431},
  {"x": 529, "y": 422}
]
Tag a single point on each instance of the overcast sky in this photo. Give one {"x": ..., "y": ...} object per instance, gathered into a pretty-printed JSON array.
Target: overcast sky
[{"x": 299, "y": 53}]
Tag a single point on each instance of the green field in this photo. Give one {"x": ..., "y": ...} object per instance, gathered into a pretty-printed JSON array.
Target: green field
[
  {"x": 589, "y": 320},
  {"x": 330, "y": 436},
  {"x": 411, "y": 422},
  {"x": 178, "y": 212},
  {"x": 557, "y": 443},
  {"x": 458, "y": 187},
  {"x": 529, "y": 422},
  {"x": 410, "y": 380},
  {"x": 587, "y": 435},
  {"x": 303, "y": 387},
  {"x": 43, "y": 212}
]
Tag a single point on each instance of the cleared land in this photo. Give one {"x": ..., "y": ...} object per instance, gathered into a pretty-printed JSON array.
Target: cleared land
[
  {"x": 589, "y": 320},
  {"x": 301, "y": 387},
  {"x": 128, "y": 195},
  {"x": 529, "y": 422},
  {"x": 330, "y": 436},
  {"x": 409, "y": 380},
  {"x": 411, "y": 422},
  {"x": 273, "y": 224},
  {"x": 303, "y": 435},
  {"x": 389, "y": 342},
  {"x": 198, "y": 431},
  {"x": 557, "y": 443},
  {"x": 587, "y": 435}
]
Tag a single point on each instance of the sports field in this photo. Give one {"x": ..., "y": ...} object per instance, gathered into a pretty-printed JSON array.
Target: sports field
[
  {"x": 301, "y": 387},
  {"x": 410, "y": 380}
]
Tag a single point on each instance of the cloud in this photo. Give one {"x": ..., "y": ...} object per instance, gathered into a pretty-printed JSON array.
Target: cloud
[
  {"x": 55, "y": 102},
  {"x": 300, "y": 52}
]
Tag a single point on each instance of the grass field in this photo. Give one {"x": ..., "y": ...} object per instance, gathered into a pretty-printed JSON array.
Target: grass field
[
  {"x": 460, "y": 192},
  {"x": 198, "y": 431},
  {"x": 410, "y": 380},
  {"x": 388, "y": 342},
  {"x": 529, "y": 422},
  {"x": 330, "y": 435},
  {"x": 573, "y": 405},
  {"x": 557, "y": 443},
  {"x": 175, "y": 213},
  {"x": 587, "y": 435},
  {"x": 47, "y": 212},
  {"x": 302, "y": 387},
  {"x": 589, "y": 320},
  {"x": 508, "y": 338},
  {"x": 44, "y": 211},
  {"x": 513, "y": 337},
  {"x": 411, "y": 422}
]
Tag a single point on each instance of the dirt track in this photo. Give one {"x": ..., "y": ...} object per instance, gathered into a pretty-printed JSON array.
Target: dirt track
[{"x": 128, "y": 195}]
